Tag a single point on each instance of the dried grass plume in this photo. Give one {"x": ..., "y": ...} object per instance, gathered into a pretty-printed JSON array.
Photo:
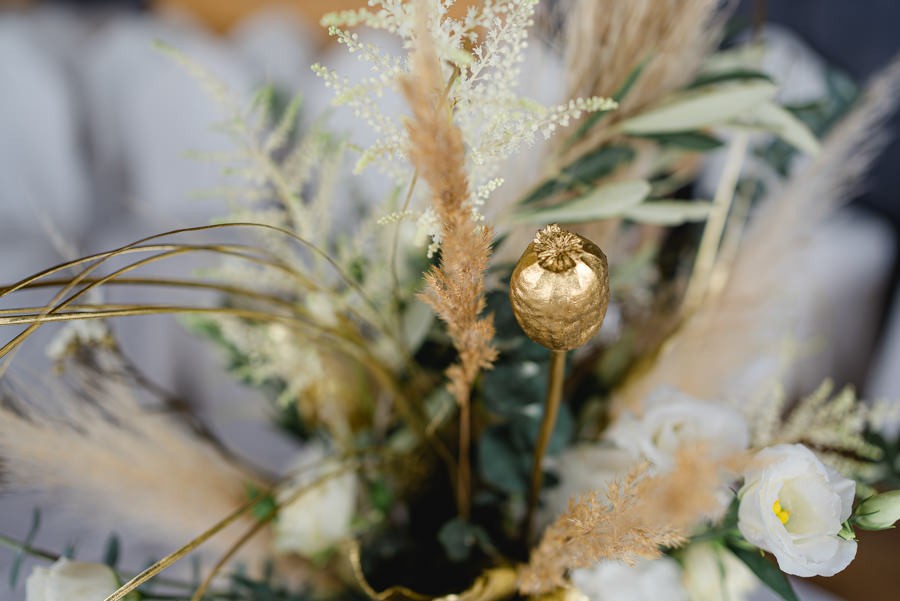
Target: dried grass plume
[
  {"x": 455, "y": 289},
  {"x": 632, "y": 519},
  {"x": 754, "y": 312},
  {"x": 673, "y": 36},
  {"x": 127, "y": 467}
]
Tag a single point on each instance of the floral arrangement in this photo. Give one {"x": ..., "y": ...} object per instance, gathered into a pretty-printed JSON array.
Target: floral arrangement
[{"x": 557, "y": 381}]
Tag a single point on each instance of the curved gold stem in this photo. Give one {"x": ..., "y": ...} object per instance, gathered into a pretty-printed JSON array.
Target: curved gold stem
[{"x": 551, "y": 409}]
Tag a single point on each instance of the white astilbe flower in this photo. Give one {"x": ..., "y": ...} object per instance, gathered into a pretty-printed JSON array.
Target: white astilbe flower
[{"x": 495, "y": 121}]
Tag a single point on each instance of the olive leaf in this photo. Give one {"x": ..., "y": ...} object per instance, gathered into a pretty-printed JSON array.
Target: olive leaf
[
  {"x": 696, "y": 141},
  {"x": 773, "y": 118},
  {"x": 703, "y": 107},
  {"x": 669, "y": 212},
  {"x": 604, "y": 202},
  {"x": 582, "y": 172}
]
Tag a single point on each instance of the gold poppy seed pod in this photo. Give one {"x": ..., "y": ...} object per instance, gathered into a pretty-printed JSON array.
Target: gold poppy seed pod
[{"x": 559, "y": 289}]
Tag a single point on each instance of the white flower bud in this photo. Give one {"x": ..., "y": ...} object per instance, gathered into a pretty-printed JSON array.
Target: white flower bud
[
  {"x": 71, "y": 581},
  {"x": 879, "y": 512},
  {"x": 321, "y": 516}
]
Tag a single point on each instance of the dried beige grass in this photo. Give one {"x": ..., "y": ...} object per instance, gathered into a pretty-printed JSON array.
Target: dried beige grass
[
  {"x": 455, "y": 289},
  {"x": 608, "y": 39},
  {"x": 124, "y": 467},
  {"x": 749, "y": 319},
  {"x": 632, "y": 519}
]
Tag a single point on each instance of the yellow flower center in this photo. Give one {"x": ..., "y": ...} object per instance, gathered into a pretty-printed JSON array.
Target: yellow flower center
[{"x": 783, "y": 514}]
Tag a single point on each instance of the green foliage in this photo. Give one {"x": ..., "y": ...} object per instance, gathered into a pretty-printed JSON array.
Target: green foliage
[
  {"x": 264, "y": 504},
  {"x": 670, "y": 212},
  {"x": 765, "y": 570},
  {"x": 697, "y": 108},
  {"x": 707, "y": 79},
  {"x": 499, "y": 462},
  {"x": 510, "y": 387},
  {"x": 243, "y": 587},
  {"x": 16, "y": 567},
  {"x": 583, "y": 172},
  {"x": 889, "y": 462},
  {"x": 380, "y": 495},
  {"x": 460, "y": 538},
  {"x": 603, "y": 202},
  {"x": 595, "y": 118},
  {"x": 819, "y": 116},
  {"x": 111, "y": 551},
  {"x": 694, "y": 141}
]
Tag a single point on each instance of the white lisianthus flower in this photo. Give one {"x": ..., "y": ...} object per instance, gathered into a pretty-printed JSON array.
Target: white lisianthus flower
[
  {"x": 71, "y": 581},
  {"x": 672, "y": 419},
  {"x": 656, "y": 580},
  {"x": 794, "y": 506},
  {"x": 320, "y": 517},
  {"x": 712, "y": 573}
]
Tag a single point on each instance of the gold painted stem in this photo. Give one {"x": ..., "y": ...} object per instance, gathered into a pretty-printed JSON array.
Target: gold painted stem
[{"x": 551, "y": 409}]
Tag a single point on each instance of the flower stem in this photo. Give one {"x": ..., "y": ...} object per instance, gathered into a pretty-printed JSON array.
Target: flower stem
[{"x": 551, "y": 409}]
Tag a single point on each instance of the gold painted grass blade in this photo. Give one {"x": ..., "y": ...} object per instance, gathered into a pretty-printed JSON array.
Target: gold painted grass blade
[
  {"x": 378, "y": 319},
  {"x": 174, "y": 283}
]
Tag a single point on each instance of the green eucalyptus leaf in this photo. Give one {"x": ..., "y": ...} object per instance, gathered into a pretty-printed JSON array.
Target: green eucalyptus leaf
[
  {"x": 685, "y": 140},
  {"x": 498, "y": 461},
  {"x": 669, "y": 212},
  {"x": 526, "y": 427},
  {"x": 510, "y": 387},
  {"x": 603, "y": 202},
  {"x": 459, "y": 538},
  {"x": 765, "y": 570},
  {"x": 695, "y": 109}
]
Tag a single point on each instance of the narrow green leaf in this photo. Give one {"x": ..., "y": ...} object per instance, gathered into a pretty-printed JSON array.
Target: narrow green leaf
[
  {"x": 669, "y": 212},
  {"x": 770, "y": 575},
  {"x": 620, "y": 95},
  {"x": 20, "y": 554},
  {"x": 286, "y": 125},
  {"x": 603, "y": 202},
  {"x": 737, "y": 58},
  {"x": 699, "y": 108},
  {"x": 771, "y": 117},
  {"x": 582, "y": 172},
  {"x": 111, "y": 553},
  {"x": 685, "y": 140},
  {"x": 706, "y": 79}
]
